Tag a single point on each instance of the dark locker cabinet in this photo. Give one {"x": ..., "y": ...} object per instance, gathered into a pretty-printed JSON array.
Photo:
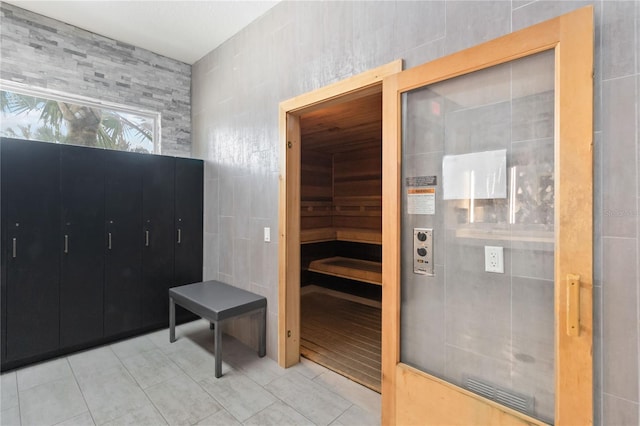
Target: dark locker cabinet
[
  {"x": 188, "y": 225},
  {"x": 158, "y": 185},
  {"x": 91, "y": 242},
  {"x": 83, "y": 239},
  {"x": 32, "y": 247},
  {"x": 123, "y": 243}
]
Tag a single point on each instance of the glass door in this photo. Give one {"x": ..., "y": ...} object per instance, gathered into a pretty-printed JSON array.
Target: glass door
[
  {"x": 492, "y": 287},
  {"x": 477, "y": 294}
]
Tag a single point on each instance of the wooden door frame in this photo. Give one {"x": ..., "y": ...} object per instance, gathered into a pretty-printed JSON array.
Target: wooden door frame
[
  {"x": 404, "y": 389},
  {"x": 289, "y": 203}
]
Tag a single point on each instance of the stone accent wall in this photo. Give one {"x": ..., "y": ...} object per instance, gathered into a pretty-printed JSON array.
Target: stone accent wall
[{"x": 46, "y": 53}]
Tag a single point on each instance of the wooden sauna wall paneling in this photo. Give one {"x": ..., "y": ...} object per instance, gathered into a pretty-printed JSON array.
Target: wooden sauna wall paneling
[
  {"x": 357, "y": 188},
  {"x": 316, "y": 193},
  {"x": 316, "y": 177},
  {"x": 316, "y": 189}
]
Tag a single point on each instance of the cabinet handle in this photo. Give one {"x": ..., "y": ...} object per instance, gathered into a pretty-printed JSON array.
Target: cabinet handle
[
  {"x": 14, "y": 245},
  {"x": 179, "y": 235},
  {"x": 146, "y": 238},
  {"x": 66, "y": 244},
  {"x": 109, "y": 246}
]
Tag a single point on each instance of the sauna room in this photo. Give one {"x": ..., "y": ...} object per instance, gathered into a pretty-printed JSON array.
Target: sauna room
[{"x": 341, "y": 237}]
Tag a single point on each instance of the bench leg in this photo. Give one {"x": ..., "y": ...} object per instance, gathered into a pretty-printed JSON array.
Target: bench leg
[
  {"x": 218, "y": 348},
  {"x": 172, "y": 320},
  {"x": 262, "y": 348}
]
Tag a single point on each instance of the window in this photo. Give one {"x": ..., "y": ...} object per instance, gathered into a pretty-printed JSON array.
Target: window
[{"x": 44, "y": 115}]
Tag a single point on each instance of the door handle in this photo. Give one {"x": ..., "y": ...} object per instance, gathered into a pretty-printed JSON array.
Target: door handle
[
  {"x": 573, "y": 305},
  {"x": 146, "y": 238},
  {"x": 109, "y": 243},
  {"x": 14, "y": 245},
  {"x": 179, "y": 235},
  {"x": 66, "y": 244}
]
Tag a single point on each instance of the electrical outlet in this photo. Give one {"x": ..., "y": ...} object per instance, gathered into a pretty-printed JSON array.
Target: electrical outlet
[{"x": 494, "y": 259}]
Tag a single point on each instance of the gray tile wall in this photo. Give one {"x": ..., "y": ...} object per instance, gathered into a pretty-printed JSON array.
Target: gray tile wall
[
  {"x": 300, "y": 46},
  {"x": 45, "y": 53}
]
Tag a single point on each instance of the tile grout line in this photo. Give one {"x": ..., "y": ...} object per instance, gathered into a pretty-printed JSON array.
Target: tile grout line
[
  {"x": 222, "y": 405},
  {"x": 137, "y": 384},
  {"x": 613, "y": 237},
  {"x": 343, "y": 413},
  {"x": 179, "y": 368},
  {"x": 142, "y": 389},
  {"x": 621, "y": 398},
  {"x": 637, "y": 136},
  {"x": 512, "y": 365},
  {"x": 18, "y": 396},
  {"x": 154, "y": 405},
  {"x": 620, "y": 77},
  {"x": 326, "y": 389},
  {"x": 344, "y": 397},
  {"x": 278, "y": 399},
  {"x": 198, "y": 382},
  {"x": 73, "y": 373}
]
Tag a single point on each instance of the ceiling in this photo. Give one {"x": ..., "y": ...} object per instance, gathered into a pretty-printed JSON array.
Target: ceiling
[
  {"x": 182, "y": 30},
  {"x": 344, "y": 126}
]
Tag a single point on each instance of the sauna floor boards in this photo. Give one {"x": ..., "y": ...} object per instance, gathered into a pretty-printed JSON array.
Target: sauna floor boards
[{"x": 342, "y": 335}]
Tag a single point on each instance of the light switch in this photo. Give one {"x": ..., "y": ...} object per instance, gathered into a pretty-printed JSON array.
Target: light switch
[{"x": 267, "y": 235}]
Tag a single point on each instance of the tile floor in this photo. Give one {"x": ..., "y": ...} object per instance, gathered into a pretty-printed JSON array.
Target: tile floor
[{"x": 148, "y": 381}]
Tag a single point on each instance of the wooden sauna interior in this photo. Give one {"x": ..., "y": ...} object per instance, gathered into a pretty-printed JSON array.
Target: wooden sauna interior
[{"x": 341, "y": 237}]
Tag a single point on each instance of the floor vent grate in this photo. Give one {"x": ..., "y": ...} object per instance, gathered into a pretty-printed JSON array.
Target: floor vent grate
[{"x": 505, "y": 397}]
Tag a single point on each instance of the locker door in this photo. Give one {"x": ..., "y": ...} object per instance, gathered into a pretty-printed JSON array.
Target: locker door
[
  {"x": 31, "y": 207},
  {"x": 82, "y": 266},
  {"x": 123, "y": 242},
  {"x": 188, "y": 221},
  {"x": 188, "y": 226},
  {"x": 158, "y": 184}
]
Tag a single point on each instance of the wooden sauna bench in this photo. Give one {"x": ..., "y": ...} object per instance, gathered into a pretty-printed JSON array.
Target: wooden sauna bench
[
  {"x": 334, "y": 220},
  {"x": 355, "y": 235},
  {"x": 353, "y": 269}
]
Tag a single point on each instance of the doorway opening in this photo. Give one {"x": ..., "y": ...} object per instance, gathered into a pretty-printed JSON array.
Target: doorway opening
[
  {"x": 341, "y": 237},
  {"x": 331, "y": 228}
]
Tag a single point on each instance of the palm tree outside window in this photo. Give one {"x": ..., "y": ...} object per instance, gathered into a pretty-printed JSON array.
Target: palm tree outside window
[{"x": 35, "y": 114}]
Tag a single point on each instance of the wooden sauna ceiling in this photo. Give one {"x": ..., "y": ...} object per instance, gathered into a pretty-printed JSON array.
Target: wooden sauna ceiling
[{"x": 346, "y": 126}]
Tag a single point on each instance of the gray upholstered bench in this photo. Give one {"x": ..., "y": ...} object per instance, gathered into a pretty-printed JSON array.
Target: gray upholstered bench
[{"x": 217, "y": 302}]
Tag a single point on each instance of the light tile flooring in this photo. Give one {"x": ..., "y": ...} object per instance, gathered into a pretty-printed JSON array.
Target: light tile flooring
[{"x": 148, "y": 381}]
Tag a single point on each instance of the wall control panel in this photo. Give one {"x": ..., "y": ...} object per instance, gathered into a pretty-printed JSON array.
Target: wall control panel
[{"x": 423, "y": 251}]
